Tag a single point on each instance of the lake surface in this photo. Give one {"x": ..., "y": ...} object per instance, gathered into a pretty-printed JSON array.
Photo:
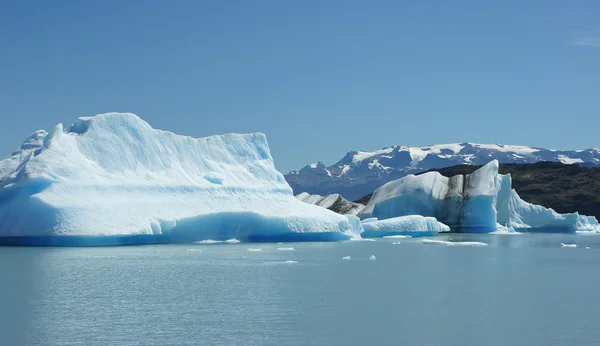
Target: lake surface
[{"x": 520, "y": 290}]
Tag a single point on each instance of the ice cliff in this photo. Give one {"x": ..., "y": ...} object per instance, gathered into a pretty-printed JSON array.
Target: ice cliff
[
  {"x": 114, "y": 175},
  {"x": 474, "y": 203}
]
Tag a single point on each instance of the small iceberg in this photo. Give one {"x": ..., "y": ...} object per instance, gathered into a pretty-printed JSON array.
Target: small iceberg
[
  {"x": 453, "y": 243},
  {"x": 567, "y": 245},
  {"x": 372, "y": 258},
  {"x": 254, "y": 249},
  {"x": 285, "y": 249},
  {"x": 232, "y": 241},
  {"x": 193, "y": 250},
  {"x": 396, "y": 243},
  {"x": 208, "y": 241},
  {"x": 291, "y": 262},
  {"x": 410, "y": 225},
  {"x": 347, "y": 258},
  {"x": 397, "y": 236}
]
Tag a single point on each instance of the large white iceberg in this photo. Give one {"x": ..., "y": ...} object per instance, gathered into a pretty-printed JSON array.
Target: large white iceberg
[
  {"x": 411, "y": 225},
  {"x": 474, "y": 203},
  {"x": 112, "y": 178}
]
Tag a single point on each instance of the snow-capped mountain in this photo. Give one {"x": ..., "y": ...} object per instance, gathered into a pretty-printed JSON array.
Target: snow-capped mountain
[{"x": 359, "y": 172}]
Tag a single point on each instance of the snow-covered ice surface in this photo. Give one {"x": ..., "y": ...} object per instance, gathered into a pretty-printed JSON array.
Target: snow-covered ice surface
[
  {"x": 481, "y": 202},
  {"x": 411, "y": 225},
  {"x": 112, "y": 179}
]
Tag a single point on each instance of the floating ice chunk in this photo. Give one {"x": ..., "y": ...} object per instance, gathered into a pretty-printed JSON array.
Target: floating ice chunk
[
  {"x": 588, "y": 223},
  {"x": 254, "y": 249},
  {"x": 567, "y": 245},
  {"x": 291, "y": 262},
  {"x": 372, "y": 258},
  {"x": 529, "y": 217},
  {"x": 193, "y": 250},
  {"x": 587, "y": 247},
  {"x": 501, "y": 229},
  {"x": 232, "y": 241},
  {"x": 362, "y": 239},
  {"x": 209, "y": 241},
  {"x": 413, "y": 225},
  {"x": 453, "y": 243},
  {"x": 397, "y": 236},
  {"x": 285, "y": 249},
  {"x": 396, "y": 243},
  {"x": 347, "y": 258}
]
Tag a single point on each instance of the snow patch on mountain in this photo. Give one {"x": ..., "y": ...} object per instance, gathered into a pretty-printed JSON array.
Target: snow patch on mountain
[
  {"x": 569, "y": 161},
  {"x": 363, "y": 155}
]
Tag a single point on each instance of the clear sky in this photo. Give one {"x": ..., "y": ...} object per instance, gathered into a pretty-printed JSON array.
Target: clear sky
[{"x": 320, "y": 78}]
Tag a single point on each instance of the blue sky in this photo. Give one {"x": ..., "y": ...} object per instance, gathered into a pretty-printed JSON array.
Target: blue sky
[{"x": 320, "y": 78}]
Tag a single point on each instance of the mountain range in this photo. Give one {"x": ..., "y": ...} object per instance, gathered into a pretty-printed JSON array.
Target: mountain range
[{"x": 359, "y": 173}]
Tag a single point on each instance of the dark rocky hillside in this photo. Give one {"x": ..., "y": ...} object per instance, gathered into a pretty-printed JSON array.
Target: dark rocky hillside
[{"x": 564, "y": 188}]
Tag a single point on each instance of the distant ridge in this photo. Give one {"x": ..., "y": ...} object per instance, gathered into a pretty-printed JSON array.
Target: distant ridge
[{"x": 359, "y": 173}]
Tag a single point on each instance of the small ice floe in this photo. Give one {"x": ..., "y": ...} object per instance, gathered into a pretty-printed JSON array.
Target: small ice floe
[
  {"x": 567, "y": 245},
  {"x": 208, "y": 241},
  {"x": 453, "y": 243},
  {"x": 193, "y": 250},
  {"x": 501, "y": 229},
  {"x": 362, "y": 239},
  {"x": 347, "y": 258},
  {"x": 291, "y": 262},
  {"x": 254, "y": 249},
  {"x": 395, "y": 243},
  {"x": 372, "y": 258},
  {"x": 396, "y": 237},
  {"x": 285, "y": 249},
  {"x": 587, "y": 247}
]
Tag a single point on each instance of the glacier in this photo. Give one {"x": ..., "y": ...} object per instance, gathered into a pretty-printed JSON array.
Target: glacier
[
  {"x": 480, "y": 202},
  {"x": 410, "y": 225},
  {"x": 112, "y": 179}
]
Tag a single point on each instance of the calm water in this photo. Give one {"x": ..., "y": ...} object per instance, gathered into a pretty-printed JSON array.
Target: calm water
[{"x": 519, "y": 290}]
